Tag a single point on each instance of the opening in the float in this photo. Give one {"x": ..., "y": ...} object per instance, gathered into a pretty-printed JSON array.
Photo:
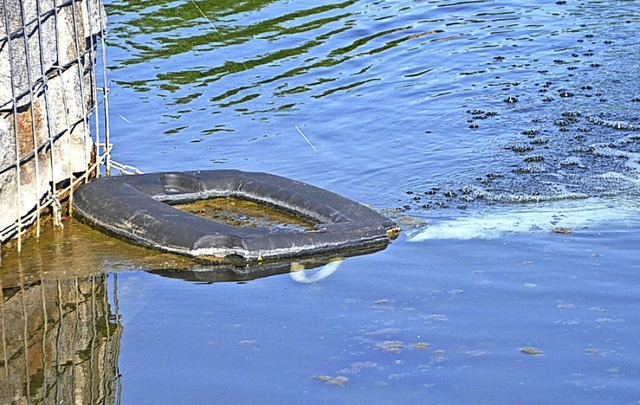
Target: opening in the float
[{"x": 244, "y": 213}]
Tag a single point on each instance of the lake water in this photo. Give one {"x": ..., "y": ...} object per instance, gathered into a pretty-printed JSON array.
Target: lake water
[{"x": 503, "y": 135}]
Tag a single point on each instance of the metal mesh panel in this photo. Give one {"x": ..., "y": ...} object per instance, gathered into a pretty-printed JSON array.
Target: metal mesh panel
[{"x": 48, "y": 54}]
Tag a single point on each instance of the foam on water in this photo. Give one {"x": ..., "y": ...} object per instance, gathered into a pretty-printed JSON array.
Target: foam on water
[{"x": 572, "y": 216}]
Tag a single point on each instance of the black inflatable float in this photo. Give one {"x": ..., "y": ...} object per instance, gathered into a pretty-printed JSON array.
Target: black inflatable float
[{"x": 138, "y": 208}]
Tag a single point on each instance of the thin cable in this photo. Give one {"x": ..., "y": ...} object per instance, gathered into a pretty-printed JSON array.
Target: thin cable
[{"x": 92, "y": 75}]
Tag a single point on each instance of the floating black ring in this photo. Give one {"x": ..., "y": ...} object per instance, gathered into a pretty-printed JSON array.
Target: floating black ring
[{"x": 138, "y": 208}]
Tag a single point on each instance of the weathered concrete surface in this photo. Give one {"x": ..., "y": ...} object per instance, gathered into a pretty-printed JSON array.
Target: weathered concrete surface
[{"x": 47, "y": 90}]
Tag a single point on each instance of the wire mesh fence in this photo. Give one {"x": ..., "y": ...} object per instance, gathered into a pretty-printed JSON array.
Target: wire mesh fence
[{"x": 54, "y": 119}]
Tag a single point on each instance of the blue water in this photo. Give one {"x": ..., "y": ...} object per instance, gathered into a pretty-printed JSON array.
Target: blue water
[
  {"x": 395, "y": 98},
  {"x": 480, "y": 126},
  {"x": 449, "y": 329},
  {"x": 409, "y": 107}
]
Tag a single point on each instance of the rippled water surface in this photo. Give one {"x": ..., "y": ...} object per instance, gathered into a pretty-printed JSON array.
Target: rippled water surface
[
  {"x": 468, "y": 102},
  {"x": 504, "y": 136}
]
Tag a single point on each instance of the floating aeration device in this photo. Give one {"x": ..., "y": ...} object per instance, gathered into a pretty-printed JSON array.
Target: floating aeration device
[{"x": 142, "y": 209}]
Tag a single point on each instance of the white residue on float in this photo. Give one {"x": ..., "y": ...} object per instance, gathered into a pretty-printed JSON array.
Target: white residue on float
[{"x": 531, "y": 219}]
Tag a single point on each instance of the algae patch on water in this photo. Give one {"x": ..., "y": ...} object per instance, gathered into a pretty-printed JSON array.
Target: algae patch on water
[
  {"x": 337, "y": 380},
  {"x": 391, "y": 346},
  {"x": 244, "y": 213},
  {"x": 532, "y": 351}
]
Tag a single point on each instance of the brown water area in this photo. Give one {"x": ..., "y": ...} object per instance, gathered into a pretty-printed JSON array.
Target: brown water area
[
  {"x": 60, "y": 331},
  {"x": 238, "y": 212},
  {"x": 59, "y": 322}
]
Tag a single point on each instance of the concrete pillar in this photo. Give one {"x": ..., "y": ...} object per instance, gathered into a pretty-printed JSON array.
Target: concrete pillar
[{"x": 47, "y": 92}]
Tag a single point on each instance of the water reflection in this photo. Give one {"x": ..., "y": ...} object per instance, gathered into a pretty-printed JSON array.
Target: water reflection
[
  {"x": 301, "y": 275},
  {"x": 308, "y": 270},
  {"x": 262, "y": 43},
  {"x": 59, "y": 318},
  {"x": 60, "y": 341}
]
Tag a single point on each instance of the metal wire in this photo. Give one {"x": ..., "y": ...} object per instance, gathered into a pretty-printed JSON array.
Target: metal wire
[
  {"x": 47, "y": 107},
  {"x": 25, "y": 336},
  {"x": 5, "y": 356},
  {"x": 105, "y": 92},
  {"x": 18, "y": 224}
]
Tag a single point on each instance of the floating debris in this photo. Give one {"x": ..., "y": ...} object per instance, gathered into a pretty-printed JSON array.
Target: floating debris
[
  {"x": 391, "y": 346},
  {"x": 439, "y": 356},
  {"x": 533, "y": 351},
  {"x": 535, "y": 158},
  {"x": 562, "y": 230},
  {"x": 519, "y": 147},
  {"x": 411, "y": 222},
  {"x": 337, "y": 380},
  {"x": 570, "y": 161}
]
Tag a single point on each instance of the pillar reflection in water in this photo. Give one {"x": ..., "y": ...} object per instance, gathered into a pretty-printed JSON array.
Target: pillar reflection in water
[{"x": 59, "y": 341}]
